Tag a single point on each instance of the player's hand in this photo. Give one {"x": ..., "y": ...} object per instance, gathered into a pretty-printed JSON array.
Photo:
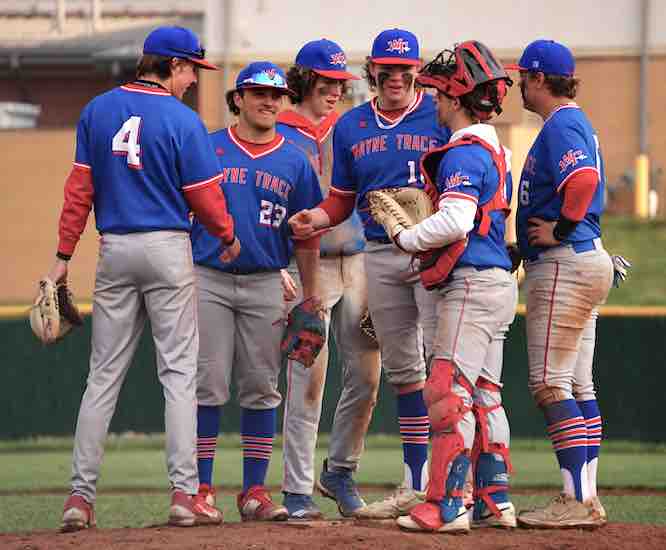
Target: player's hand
[
  {"x": 58, "y": 272},
  {"x": 514, "y": 255},
  {"x": 289, "y": 288},
  {"x": 231, "y": 252},
  {"x": 302, "y": 225},
  {"x": 540, "y": 233}
]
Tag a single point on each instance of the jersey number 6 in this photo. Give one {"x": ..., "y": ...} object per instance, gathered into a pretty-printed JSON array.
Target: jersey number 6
[{"x": 126, "y": 142}]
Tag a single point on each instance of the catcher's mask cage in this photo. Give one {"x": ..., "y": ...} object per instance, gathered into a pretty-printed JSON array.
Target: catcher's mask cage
[{"x": 471, "y": 73}]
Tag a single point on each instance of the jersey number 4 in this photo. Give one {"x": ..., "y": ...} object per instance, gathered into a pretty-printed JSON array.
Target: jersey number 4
[
  {"x": 126, "y": 142},
  {"x": 271, "y": 215}
]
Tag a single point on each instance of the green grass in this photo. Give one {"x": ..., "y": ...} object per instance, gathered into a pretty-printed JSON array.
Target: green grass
[
  {"x": 643, "y": 244},
  {"x": 34, "y": 477}
]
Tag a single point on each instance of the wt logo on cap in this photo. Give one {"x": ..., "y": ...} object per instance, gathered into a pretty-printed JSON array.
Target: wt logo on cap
[
  {"x": 339, "y": 59},
  {"x": 398, "y": 45}
]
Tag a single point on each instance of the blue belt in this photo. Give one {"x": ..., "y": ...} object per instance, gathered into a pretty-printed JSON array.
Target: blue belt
[
  {"x": 583, "y": 246},
  {"x": 381, "y": 240}
]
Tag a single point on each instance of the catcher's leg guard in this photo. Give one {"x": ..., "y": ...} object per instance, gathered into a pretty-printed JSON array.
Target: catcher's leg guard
[
  {"x": 453, "y": 501},
  {"x": 491, "y": 460},
  {"x": 445, "y": 410},
  {"x": 491, "y": 481}
]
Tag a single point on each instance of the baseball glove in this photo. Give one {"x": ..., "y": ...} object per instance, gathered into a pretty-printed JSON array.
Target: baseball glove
[
  {"x": 305, "y": 333},
  {"x": 368, "y": 328},
  {"x": 398, "y": 208},
  {"x": 54, "y": 313}
]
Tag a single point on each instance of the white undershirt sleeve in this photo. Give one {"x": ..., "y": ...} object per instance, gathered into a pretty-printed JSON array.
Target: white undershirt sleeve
[{"x": 452, "y": 222}]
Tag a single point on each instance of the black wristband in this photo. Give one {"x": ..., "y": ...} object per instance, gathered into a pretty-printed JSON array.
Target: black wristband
[
  {"x": 65, "y": 257},
  {"x": 563, "y": 228},
  {"x": 230, "y": 242}
]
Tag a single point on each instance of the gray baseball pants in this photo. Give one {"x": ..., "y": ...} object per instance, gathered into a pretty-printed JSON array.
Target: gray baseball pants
[{"x": 141, "y": 276}]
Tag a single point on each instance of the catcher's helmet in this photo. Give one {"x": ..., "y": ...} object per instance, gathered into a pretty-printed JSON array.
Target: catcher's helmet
[{"x": 469, "y": 72}]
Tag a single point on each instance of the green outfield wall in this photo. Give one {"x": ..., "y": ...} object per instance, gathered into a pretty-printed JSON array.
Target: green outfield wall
[{"x": 42, "y": 387}]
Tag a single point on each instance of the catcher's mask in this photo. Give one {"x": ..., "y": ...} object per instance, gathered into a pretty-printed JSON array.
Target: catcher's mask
[{"x": 471, "y": 73}]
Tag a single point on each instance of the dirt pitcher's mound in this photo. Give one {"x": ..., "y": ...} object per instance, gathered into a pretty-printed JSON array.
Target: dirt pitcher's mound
[{"x": 336, "y": 534}]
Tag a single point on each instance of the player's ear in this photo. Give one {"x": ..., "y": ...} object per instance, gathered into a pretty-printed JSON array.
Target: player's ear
[
  {"x": 237, "y": 99},
  {"x": 372, "y": 67}
]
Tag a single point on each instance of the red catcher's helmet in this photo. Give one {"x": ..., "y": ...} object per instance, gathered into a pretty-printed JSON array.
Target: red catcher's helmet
[{"x": 469, "y": 72}]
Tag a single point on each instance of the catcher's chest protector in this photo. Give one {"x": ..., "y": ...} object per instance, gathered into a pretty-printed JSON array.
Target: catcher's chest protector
[{"x": 436, "y": 265}]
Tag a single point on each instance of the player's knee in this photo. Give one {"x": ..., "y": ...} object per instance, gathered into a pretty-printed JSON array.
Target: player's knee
[
  {"x": 445, "y": 408},
  {"x": 545, "y": 395},
  {"x": 584, "y": 392}
]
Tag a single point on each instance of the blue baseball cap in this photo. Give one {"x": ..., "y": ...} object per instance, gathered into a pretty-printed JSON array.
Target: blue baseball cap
[
  {"x": 548, "y": 57},
  {"x": 325, "y": 58},
  {"x": 263, "y": 74},
  {"x": 177, "y": 42},
  {"x": 395, "y": 47}
]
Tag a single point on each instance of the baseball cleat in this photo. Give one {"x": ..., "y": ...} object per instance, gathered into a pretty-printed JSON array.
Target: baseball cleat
[
  {"x": 400, "y": 503},
  {"x": 77, "y": 514},
  {"x": 301, "y": 506},
  {"x": 256, "y": 505},
  {"x": 483, "y": 517},
  {"x": 562, "y": 512},
  {"x": 427, "y": 517},
  {"x": 187, "y": 511},
  {"x": 339, "y": 485},
  {"x": 207, "y": 492},
  {"x": 596, "y": 505}
]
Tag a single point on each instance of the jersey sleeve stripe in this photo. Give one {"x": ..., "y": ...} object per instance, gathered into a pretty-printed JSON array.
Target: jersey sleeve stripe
[
  {"x": 577, "y": 171},
  {"x": 200, "y": 184},
  {"x": 339, "y": 191},
  {"x": 81, "y": 166}
]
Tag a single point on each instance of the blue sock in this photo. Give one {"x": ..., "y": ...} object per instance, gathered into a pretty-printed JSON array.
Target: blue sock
[
  {"x": 592, "y": 415},
  {"x": 257, "y": 432},
  {"x": 414, "y": 432},
  {"x": 567, "y": 431},
  {"x": 208, "y": 427}
]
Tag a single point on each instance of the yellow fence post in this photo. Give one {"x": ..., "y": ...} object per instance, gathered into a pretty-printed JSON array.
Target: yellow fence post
[{"x": 641, "y": 186}]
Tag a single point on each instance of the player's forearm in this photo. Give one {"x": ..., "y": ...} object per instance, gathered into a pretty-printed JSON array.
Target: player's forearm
[
  {"x": 210, "y": 208},
  {"x": 79, "y": 193},
  {"x": 336, "y": 208},
  {"x": 578, "y": 191},
  {"x": 307, "y": 260},
  {"x": 452, "y": 222}
]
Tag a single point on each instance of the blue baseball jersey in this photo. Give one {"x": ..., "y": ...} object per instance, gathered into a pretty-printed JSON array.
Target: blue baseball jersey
[
  {"x": 347, "y": 238},
  {"x": 566, "y": 145},
  {"x": 468, "y": 172},
  {"x": 143, "y": 147},
  {"x": 370, "y": 152},
  {"x": 262, "y": 191}
]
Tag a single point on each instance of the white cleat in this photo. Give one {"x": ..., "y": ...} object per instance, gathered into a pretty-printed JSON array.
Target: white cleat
[
  {"x": 506, "y": 521},
  {"x": 400, "y": 503},
  {"x": 460, "y": 525}
]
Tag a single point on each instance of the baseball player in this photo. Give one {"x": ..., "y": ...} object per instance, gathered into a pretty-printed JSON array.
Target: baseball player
[
  {"x": 378, "y": 145},
  {"x": 318, "y": 80},
  {"x": 143, "y": 160},
  {"x": 568, "y": 275},
  {"x": 265, "y": 180},
  {"x": 476, "y": 299}
]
